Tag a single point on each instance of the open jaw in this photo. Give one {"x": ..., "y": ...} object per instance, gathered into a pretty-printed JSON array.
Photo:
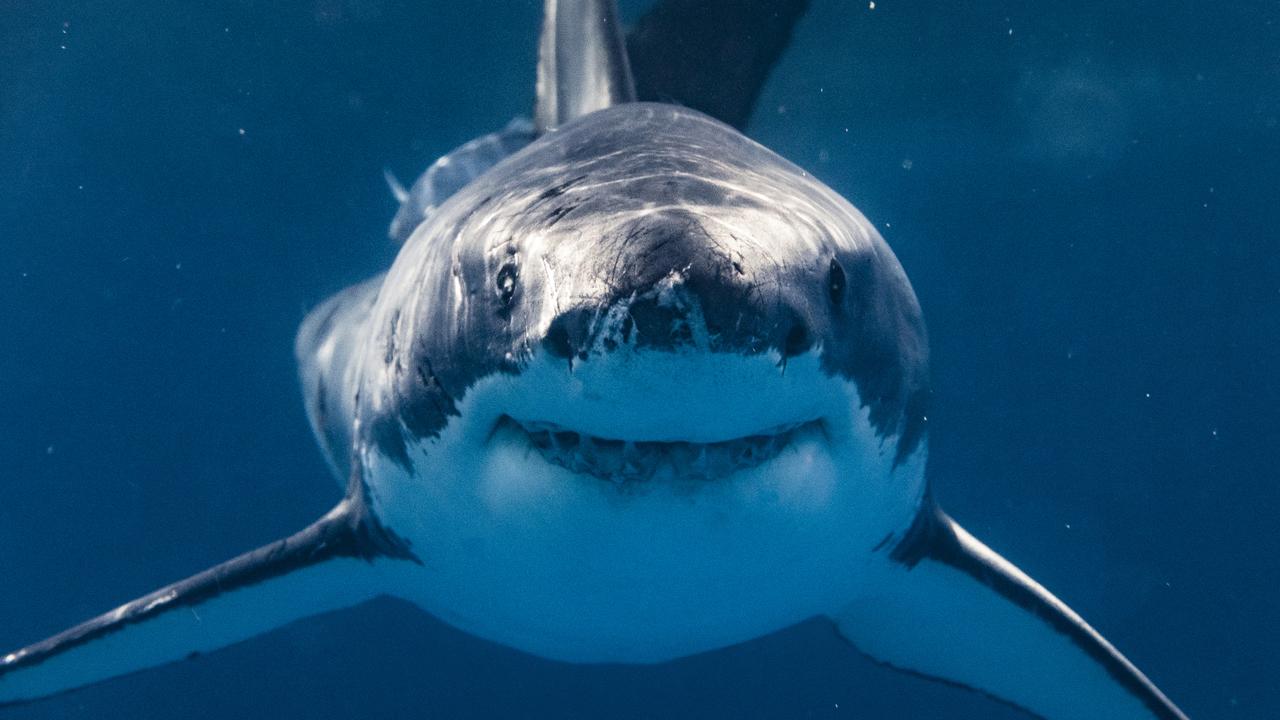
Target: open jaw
[{"x": 619, "y": 460}]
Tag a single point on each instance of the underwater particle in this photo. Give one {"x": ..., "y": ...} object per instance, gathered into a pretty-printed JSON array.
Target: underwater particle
[
  {"x": 907, "y": 164},
  {"x": 241, "y": 131},
  {"x": 871, "y": 5},
  {"x": 48, "y": 450}
]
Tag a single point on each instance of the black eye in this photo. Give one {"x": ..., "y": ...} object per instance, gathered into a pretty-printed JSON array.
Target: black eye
[
  {"x": 836, "y": 282},
  {"x": 507, "y": 284}
]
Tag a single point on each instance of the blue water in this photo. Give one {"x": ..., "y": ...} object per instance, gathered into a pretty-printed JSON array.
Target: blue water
[{"x": 1084, "y": 194}]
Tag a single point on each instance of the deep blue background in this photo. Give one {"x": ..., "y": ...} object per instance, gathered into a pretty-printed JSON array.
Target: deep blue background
[{"x": 1088, "y": 207}]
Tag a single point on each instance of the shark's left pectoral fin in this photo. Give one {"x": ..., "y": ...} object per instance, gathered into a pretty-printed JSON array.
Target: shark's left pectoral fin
[
  {"x": 948, "y": 608},
  {"x": 331, "y": 564}
]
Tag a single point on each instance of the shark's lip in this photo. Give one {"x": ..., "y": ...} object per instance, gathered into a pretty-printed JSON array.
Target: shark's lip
[{"x": 620, "y": 460}]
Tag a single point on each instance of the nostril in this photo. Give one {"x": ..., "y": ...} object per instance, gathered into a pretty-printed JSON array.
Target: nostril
[
  {"x": 557, "y": 341},
  {"x": 797, "y": 340}
]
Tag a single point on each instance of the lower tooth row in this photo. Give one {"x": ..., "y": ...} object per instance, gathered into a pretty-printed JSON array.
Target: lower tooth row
[{"x": 621, "y": 461}]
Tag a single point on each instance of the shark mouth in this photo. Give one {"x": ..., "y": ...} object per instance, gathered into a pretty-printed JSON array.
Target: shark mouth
[{"x": 621, "y": 461}]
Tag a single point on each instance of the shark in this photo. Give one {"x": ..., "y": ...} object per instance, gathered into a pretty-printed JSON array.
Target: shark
[{"x": 635, "y": 387}]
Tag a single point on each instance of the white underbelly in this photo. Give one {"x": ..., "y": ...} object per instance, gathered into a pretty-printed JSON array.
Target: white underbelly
[
  {"x": 565, "y": 565},
  {"x": 575, "y": 568}
]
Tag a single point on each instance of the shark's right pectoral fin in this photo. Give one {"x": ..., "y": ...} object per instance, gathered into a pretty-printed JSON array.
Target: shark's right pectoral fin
[
  {"x": 334, "y": 563},
  {"x": 950, "y": 609}
]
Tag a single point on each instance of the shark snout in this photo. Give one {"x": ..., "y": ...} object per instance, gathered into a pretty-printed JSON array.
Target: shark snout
[
  {"x": 674, "y": 318},
  {"x": 671, "y": 283}
]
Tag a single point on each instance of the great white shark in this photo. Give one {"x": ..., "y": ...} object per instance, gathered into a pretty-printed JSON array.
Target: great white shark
[{"x": 635, "y": 387}]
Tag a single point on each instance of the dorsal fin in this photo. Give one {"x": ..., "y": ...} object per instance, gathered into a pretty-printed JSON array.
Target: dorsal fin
[{"x": 582, "y": 61}]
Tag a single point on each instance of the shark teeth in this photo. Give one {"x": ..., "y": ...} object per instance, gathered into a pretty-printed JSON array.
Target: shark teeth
[{"x": 623, "y": 461}]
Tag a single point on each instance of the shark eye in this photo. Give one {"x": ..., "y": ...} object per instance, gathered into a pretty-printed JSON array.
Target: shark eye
[
  {"x": 836, "y": 282},
  {"x": 507, "y": 284}
]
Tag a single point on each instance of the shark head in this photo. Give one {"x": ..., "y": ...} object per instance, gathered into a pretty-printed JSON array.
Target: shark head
[{"x": 644, "y": 332}]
